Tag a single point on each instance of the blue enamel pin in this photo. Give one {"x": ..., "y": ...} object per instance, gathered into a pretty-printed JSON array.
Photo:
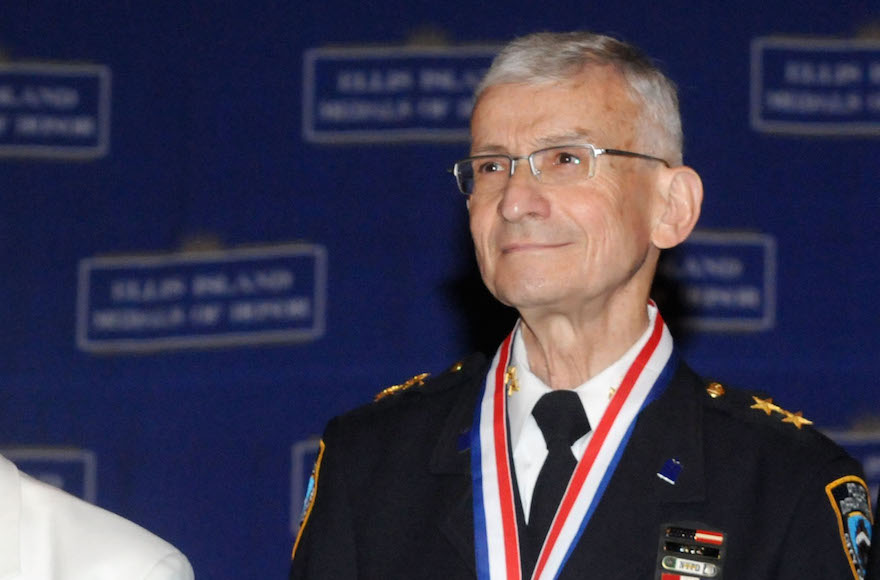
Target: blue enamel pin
[{"x": 670, "y": 471}]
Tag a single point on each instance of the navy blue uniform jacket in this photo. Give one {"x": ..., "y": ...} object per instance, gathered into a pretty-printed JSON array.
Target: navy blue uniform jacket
[{"x": 394, "y": 499}]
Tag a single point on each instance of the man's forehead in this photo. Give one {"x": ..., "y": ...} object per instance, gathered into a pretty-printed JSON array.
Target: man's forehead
[
  {"x": 592, "y": 79},
  {"x": 592, "y": 107}
]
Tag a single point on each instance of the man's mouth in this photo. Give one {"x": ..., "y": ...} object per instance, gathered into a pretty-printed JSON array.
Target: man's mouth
[{"x": 516, "y": 247}]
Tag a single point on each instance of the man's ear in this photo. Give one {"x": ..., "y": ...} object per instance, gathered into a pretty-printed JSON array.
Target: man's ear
[{"x": 681, "y": 199}]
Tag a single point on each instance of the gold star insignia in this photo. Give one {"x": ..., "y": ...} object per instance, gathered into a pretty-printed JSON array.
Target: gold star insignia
[
  {"x": 765, "y": 405},
  {"x": 510, "y": 381},
  {"x": 797, "y": 419}
]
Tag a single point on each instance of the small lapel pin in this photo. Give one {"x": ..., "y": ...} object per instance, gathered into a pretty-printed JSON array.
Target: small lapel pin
[
  {"x": 670, "y": 471},
  {"x": 510, "y": 380}
]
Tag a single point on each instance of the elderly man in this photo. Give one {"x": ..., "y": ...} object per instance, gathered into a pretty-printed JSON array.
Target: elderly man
[{"x": 586, "y": 448}]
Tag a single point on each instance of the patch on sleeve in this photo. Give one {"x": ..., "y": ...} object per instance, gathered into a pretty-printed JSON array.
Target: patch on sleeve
[
  {"x": 851, "y": 502},
  {"x": 309, "y": 501}
]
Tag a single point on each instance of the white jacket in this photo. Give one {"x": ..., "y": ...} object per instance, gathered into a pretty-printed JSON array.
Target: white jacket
[{"x": 48, "y": 534}]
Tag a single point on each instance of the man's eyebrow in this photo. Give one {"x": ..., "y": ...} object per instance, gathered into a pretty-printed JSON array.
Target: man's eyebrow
[
  {"x": 488, "y": 149},
  {"x": 569, "y": 138}
]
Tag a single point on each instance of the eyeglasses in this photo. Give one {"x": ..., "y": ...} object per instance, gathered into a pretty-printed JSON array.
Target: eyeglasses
[{"x": 561, "y": 165}]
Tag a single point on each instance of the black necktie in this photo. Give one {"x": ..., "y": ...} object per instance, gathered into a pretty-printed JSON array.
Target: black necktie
[{"x": 562, "y": 420}]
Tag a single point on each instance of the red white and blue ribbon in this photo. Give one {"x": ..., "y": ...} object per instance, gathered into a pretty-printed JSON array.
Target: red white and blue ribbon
[{"x": 496, "y": 537}]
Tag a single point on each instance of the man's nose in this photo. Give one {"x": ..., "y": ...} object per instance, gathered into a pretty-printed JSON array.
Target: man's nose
[{"x": 523, "y": 195}]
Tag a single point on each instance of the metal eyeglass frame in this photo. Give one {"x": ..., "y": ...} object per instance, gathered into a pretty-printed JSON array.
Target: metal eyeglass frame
[{"x": 595, "y": 152}]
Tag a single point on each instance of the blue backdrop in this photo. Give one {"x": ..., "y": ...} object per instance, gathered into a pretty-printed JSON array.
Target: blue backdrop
[{"x": 189, "y": 129}]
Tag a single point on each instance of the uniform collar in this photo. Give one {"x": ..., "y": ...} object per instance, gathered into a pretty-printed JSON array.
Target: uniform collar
[{"x": 594, "y": 393}]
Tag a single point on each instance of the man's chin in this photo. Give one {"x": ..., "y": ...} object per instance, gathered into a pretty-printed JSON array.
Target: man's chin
[{"x": 527, "y": 297}]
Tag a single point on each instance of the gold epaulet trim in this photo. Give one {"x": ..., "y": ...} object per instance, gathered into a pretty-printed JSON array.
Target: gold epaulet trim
[
  {"x": 769, "y": 407},
  {"x": 394, "y": 389}
]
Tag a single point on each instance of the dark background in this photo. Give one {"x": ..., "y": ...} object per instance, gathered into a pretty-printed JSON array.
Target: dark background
[{"x": 206, "y": 144}]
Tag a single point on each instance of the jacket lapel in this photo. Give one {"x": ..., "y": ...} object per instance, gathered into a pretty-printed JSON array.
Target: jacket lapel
[
  {"x": 669, "y": 428},
  {"x": 452, "y": 458}
]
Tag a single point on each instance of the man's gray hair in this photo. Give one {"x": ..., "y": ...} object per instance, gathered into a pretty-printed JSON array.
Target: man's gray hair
[{"x": 547, "y": 57}]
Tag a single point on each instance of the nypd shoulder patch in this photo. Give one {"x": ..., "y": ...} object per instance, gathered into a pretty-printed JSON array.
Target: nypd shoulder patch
[
  {"x": 309, "y": 501},
  {"x": 851, "y": 503}
]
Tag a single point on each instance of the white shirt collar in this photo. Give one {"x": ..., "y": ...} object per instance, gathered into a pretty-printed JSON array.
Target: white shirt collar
[{"x": 594, "y": 393}]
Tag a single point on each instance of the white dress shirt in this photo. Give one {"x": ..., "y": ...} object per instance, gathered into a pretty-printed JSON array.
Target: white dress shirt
[{"x": 527, "y": 441}]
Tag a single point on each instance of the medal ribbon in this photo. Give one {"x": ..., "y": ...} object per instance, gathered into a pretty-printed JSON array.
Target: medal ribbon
[
  {"x": 496, "y": 536},
  {"x": 494, "y": 506}
]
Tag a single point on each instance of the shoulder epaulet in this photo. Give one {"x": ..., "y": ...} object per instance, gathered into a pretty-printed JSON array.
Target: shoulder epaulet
[
  {"x": 763, "y": 405},
  {"x": 417, "y": 380}
]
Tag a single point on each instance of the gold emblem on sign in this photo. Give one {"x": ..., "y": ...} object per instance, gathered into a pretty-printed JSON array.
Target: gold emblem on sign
[
  {"x": 416, "y": 380},
  {"x": 715, "y": 390},
  {"x": 510, "y": 381},
  {"x": 769, "y": 407}
]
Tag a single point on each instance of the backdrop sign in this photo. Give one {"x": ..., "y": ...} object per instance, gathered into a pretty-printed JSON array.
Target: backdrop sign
[
  {"x": 396, "y": 93},
  {"x": 54, "y": 110},
  {"x": 818, "y": 87},
  {"x": 233, "y": 297},
  {"x": 727, "y": 280},
  {"x": 73, "y": 470}
]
